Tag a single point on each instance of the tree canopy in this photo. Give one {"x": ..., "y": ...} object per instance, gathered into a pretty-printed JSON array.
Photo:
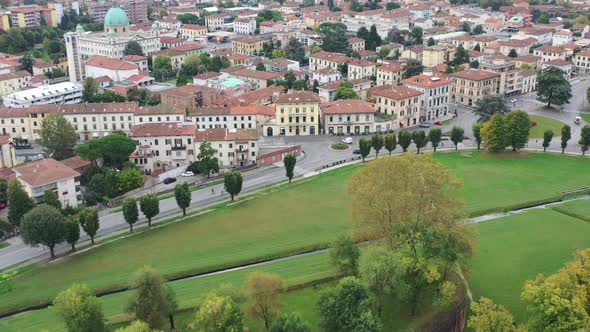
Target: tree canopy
[
  {"x": 44, "y": 225},
  {"x": 58, "y": 136},
  {"x": 490, "y": 105},
  {"x": 553, "y": 87}
]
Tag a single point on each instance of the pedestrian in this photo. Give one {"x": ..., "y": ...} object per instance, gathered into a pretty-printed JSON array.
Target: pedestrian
[{"x": 212, "y": 190}]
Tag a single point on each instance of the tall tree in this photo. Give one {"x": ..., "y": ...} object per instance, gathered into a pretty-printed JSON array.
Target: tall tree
[
  {"x": 90, "y": 222},
  {"x": 57, "y": 136},
  {"x": 344, "y": 255},
  {"x": 116, "y": 148},
  {"x": 477, "y": 133},
  {"x": 588, "y": 95},
  {"x": 27, "y": 61},
  {"x": 378, "y": 269},
  {"x": 44, "y": 225},
  {"x": 566, "y": 135},
  {"x": 50, "y": 198},
  {"x": 420, "y": 140},
  {"x": 585, "y": 139},
  {"x": 513, "y": 53},
  {"x": 72, "y": 232},
  {"x": 493, "y": 134},
  {"x": 80, "y": 309},
  {"x": 404, "y": 138},
  {"x": 150, "y": 207},
  {"x": 490, "y": 317},
  {"x": 133, "y": 48},
  {"x": 547, "y": 137},
  {"x": 390, "y": 142},
  {"x": 262, "y": 291},
  {"x": 478, "y": 30},
  {"x": 136, "y": 326},
  {"x": 457, "y": 134},
  {"x": 461, "y": 56},
  {"x": 363, "y": 33},
  {"x": 416, "y": 34},
  {"x": 374, "y": 39},
  {"x": 289, "y": 322},
  {"x": 172, "y": 306},
  {"x": 431, "y": 41},
  {"x": 183, "y": 197},
  {"x": 219, "y": 314},
  {"x": 232, "y": 182},
  {"x": 130, "y": 212},
  {"x": 19, "y": 202},
  {"x": 90, "y": 90},
  {"x": 435, "y": 136},
  {"x": 364, "y": 147},
  {"x": 517, "y": 128},
  {"x": 149, "y": 300},
  {"x": 290, "y": 160},
  {"x": 553, "y": 87},
  {"x": 490, "y": 105},
  {"x": 295, "y": 50},
  {"x": 207, "y": 162},
  {"x": 377, "y": 144}
]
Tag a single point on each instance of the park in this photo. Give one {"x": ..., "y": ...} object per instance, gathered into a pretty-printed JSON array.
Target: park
[{"x": 308, "y": 215}]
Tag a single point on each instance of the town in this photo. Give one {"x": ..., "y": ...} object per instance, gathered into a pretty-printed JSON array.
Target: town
[{"x": 294, "y": 166}]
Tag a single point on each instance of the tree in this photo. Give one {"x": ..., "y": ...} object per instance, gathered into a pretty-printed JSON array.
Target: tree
[
  {"x": 344, "y": 255},
  {"x": 517, "y": 128},
  {"x": 136, "y": 326},
  {"x": 435, "y": 136},
  {"x": 346, "y": 307},
  {"x": 133, "y": 48},
  {"x": 355, "y": 6},
  {"x": 420, "y": 139},
  {"x": 431, "y": 41},
  {"x": 44, "y": 225},
  {"x": 457, "y": 134},
  {"x": 57, "y": 136},
  {"x": 365, "y": 148},
  {"x": 553, "y": 87},
  {"x": 219, "y": 314},
  {"x": 89, "y": 222},
  {"x": 390, "y": 142},
  {"x": 90, "y": 90},
  {"x": 478, "y": 30},
  {"x": 232, "y": 182},
  {"x": 150, "y": 207},
  {"x": 493, "y": 134},
  {"x": 183, "y": 197},
  {"x": 363, "y": 33},
  {"x": 490, "y": 105},
  {"x": 547, "y": 137},
  {"x": 27, "y": 61},
  {"x": 416, "y": 34},
  {"x": 290, "y": 160},
  {"x": 336, "y": 40},
  {"x": 19, "y": 202},
  {"x": 377, "y": 144},
  {"x": 474, "y": 64},
  {"x": 345, "y": 92},
  {"x": 477, "y": 48},
  {"x": 489, "y": 317},
  {"x": 130, "y": 212},
  {"x": 374, "y": 39},
  {"x": 172, "y": 305},
  {"x": 50, "y": 198},
  {"x": 149, "y": 300},
  {"x": 392, "y": 5},
  {"x": 262, "y": 290},
  {"x": 289, "y": 322},
  {"x": 477, "y": 133},
  {"x": 394, "y": 36},
  {"x": 80, "y": 309},
  {"x": 384, "y": 52},
  {"x": 585, "y": 139},
  {"x": 378, "y": 269},
  {"x": 413, "y": 68},
  {"x": 566, "y": 134},
  {"x": 72, "y": 232},
  {"x": 116, "y": 148},
  {"x": 461, "y": 56},
  {"x": 260, "y": 67},
  {"x": 466, "y": 27},
  {"x": 207, "y": 162},
  {"x": 295, "y": 50},
  {"x": 513, "y": 53},
  {"x": 163, "y": 62},
  {"x": 404, "y": 138}
]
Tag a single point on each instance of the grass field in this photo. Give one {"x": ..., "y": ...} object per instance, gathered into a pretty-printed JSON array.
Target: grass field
[
  {"x": 281, "y": 221},
  {"x": 516, "y": 248},
  {"x": 544, "y": 124},
  {"x": 578, "y": 209},
  {"x": 4, "y": 244}
]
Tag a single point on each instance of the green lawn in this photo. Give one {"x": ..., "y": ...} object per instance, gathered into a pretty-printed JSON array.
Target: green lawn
[
  {"x": 544, "y": 124},
  {"x": 578, "y": 209},
  {"x": 4, "y": 244},
  {"x": 586, "y": 116},
  {"x": 516, "y": 248}
]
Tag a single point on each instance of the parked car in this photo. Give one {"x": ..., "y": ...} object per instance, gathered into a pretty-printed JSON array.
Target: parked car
[
  {"x": 169, "y": 180},
  {"x": 438, "y": 123},
  {"x": 188, "y": 173},
  {"x": 356, "y": 151},
  {"x": 577, "y": 120},
  {"x": 425, "y": 125},
  {"x": 347, "y": 140}
]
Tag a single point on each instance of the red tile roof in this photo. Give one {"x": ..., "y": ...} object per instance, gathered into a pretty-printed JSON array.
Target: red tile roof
[
  {"x": 162, "y": 129},
  {"x": 298, "y": 97},
  {"x": 395, "y": 92},
  {"x": 426, "y": 81},
  {"x": 224, "y": 134},
  {"x": 347, "y": 106},
  {"x": 110, "y": 63},
  {"x": 44, "y": 171},
  {"x": 330, "y": 56},
  {"x": 475, "y": 75}
]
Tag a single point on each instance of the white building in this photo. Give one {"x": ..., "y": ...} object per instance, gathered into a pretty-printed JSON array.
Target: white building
[
  {"x": 234, "y": 147},
  {"x": 245, "y": 26},
  {"x": 325, "y": 76},
  {"x": 436, "y": 94},
  {"x": 117, "y": 70},
  {"x": 561, "y": 37},
  {"x": 61, "y": 93}
]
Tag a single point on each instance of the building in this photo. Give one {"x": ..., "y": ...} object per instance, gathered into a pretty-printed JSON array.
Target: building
[
  {"x": 235, "y": 148},
  {"x": 325, "y": 76},
  {"x": 60, "y": 93},
  {"x": 401, "y": 102},
  {"x": 257, "y": 79},
  {"x": 436, "y": 94},
  {"x": 528, "y": 79},
  {"x": 351, "y": 117},
  {"x": 390, "y": 73},
  {"x": 140, "y": 61},
  {"x": 561, "y": 37},
  {"x": 295, "y": 114},
  {"x": 582, "y": 62},
  {"x": 510, "y": 83},
  {"x": 32, "y": 16},
  {"x": 247, "y": 45},
  {"x": 359, "y": 68},
  {"x": 522, "y": 47},
  {"x": 435, "y": 55},
  {"x": 548, "y": 53},
  {"x": 7, "y": 153},
  {"x": 469, "y": 86},
  {"x": 117, "y": 70},
  {"x": 215, "y": 22},
  {"x": 14, "y": 81},
  {"x": 357, "y": 44},
  {"x": 327, "y": 91},
  {"x": 81, "y": 46},
  {"x": 245, "y": 26},
  {"x": 329, "y": 60},
  {"x": 192, "y": 31},
  {"x": 43, "y": 175},
  {"x": 136, "y": 10},
  {"x": 565, "y": 66}
]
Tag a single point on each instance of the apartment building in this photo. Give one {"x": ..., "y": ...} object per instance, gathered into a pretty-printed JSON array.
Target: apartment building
[
  {"x": 117, "y": 70},
  {"x": 192, "y": 31},
  {"x": 157, "y": 114},
  {"x": 509, "y": 83},
  {"x": 245, "y": 26},
  {"x": 329, "y": 60},
  {"x": 256, "y": 79},
  {"x": 436, "y": 94},
  {"x": 326, "y": 75},
  {"x": 351, "y": 117},
  {"x": 60, "y": 93},
  {"x": 528, "y": 79},
  {"x": 435, "y": 55},
  {"x": 13, "y": 82},
  {"x": 357, "y": 44},
  {"x": 296, "y": 114},
  {"x": 404, "y": 104},
  {"x": 359, "y": 68},
  {"x": 247, "y": 45},
  {"x": 233, "y": 117},
  {"x": 32, "y": 15},
  {"x": 215, "y": 22},
  {"x": 390, "y": 73},
  {"x": 565, "y": 66},
  {"x": 548, "y": 53},
  {"x": 469, "y": 86},
  {"x": 327, "y": 91},
  {"x": 582, "y": 62},
  {"x": 234, "y": 147},
  {"x": 522, "y": 47}
]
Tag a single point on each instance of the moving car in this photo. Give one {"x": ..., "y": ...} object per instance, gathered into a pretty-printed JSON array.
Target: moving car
[
  {"x": 347, "y": 140},
  {"x": 425, "y": 125},
  {"x": 438, "y": 123},
  {"x": 169, "y": 180},
  {"x": 188, "y": 173},
  {"x": 356, "y": 151},
  {"x": 577, "y": 120}
]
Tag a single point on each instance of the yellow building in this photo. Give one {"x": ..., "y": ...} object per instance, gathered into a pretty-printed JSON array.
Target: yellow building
[
  {"x": 32, "y": 16},
  {"x": 192, "y": 31},
  {"x": 435, "y": 55},
  {"x": 391, "y": 73},
  {"x": 5, "y": 22},
  {"x": 403, "y": 103},
  {"x": 247, "y": 45},
  {"x": 13, "y": 82},
  {"x": 469, "y": 86},
  {"x": 330, "y": 60},
  {"x": 295, "y": 114}
]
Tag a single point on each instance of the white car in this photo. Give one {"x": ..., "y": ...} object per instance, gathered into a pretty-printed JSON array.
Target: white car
[
  {"x": 347, "y": 140},
  {"x": 188, "y": 173}
]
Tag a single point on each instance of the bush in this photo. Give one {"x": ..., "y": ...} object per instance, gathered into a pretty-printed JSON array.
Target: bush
[
  {"x": 533, "y": 123},
  {"x": 339, "y": 146}
]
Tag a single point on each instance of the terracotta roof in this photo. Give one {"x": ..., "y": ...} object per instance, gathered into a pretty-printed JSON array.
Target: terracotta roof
[
  {"x": 182, "y": 91},
  {"x": 207, "y": 75},
  {"x": 347, "y": 106},
  {"x": 259, "y": 94},
  {"x": 427, "y": 81},
  {"x": 193, "y": 27},
  {"x": 158, "y": 110},
  {"x": 584, "y": 53},
  {"x": 395, "y": 92},
  {"x": 247, "y": 40},
  {"x": 103, "y": 79},
  {"x": 170, "y": 40},
  {"x": 187, "y": 47},
  {"x": 528, "y": 73},
  {"x": 5, "y": 139},
  {"x": 527, "y": 58},
  {"x": 238, "y": 57},
  {"x": 75, "y": 162},
  {"x": 475, "y": 75},
  {"x": 42, "y": 64},
  {"x": 253, "y": 109},
  {"x": 516, "y": 42},
  {"x": 134, "y": 57},
  {"x": 298, "y": 97},
  {"x": 110, "y": 63},
  {"x": 162, "y": 129},
  {"x": 44, "y": 171},
  {"x": 392, "y": 66},
  {"x": 329, "y": 56},
  {"x": 557, "y": 62},
  {"x": 550, "y": 49},
  {"x": 355, "y": 40},
  {"x": 361, "y": 63},
  {"x": 224, "y": 134},
  {"x": 210, "y": 111},
  {"x": 260, "y": 75},
  {"x": 15, "y": 75}
]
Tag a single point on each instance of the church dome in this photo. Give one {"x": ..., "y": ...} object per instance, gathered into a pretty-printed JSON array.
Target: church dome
[
  {"x": 154, "y": 26},
  {"x": 116, "y": 17},
  {"x": 79, "y": 28}
]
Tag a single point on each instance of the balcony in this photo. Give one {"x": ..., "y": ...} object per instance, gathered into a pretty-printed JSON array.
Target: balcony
[
  {"x": 242, "y": 150},
  {"x": 178, "y": 147}
]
